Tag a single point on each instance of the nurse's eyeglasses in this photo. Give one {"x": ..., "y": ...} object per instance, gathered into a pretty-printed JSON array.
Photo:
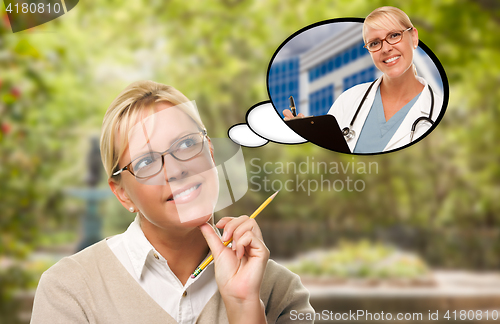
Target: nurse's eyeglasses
[
  {"x": 392, "y": 38},
  {"x": 151, "y": 163}
]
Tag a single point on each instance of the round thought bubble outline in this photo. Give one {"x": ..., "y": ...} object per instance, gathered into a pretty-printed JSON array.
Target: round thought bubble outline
[
  {"x": 424, "y": 47},
  {"x": 248, "y": 124}
]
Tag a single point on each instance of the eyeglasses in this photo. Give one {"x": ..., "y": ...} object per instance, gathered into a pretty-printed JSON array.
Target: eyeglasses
[
  {"x": 151, "y": 163},
  {"x": 392, "y": 38}
]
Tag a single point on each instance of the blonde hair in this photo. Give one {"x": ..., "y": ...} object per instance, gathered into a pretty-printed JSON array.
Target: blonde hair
[
  {"x": 125, "y": 111},
  {"x": 386, "y": 18}
]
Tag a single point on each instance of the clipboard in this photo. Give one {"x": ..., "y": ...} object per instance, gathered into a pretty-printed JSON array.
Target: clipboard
[{"x": 323, "y": 131}]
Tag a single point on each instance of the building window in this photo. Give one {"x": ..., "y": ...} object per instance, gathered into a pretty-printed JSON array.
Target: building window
[
  {"x": 345, "y": 57},
  {"x": 283, "y": 82},
  {"x": 366, "y": 75},
  {"x": 320, "y": 101},
  {"x": 354, "y": 53},
  {"x": 338, "y": 62}
]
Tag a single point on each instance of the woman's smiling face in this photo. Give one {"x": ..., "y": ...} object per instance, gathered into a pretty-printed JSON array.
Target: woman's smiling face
[
  {"x": 183, "y": 193},
  {"x": 393, "y": 60}
]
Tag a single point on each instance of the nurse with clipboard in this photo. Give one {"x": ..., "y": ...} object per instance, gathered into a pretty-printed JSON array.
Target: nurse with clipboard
[{"x": 397, "y": 108}]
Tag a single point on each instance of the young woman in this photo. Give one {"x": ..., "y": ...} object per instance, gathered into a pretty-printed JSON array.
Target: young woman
[
  {"x": 159, "y": 162},
  {"x": 397, "y": 108}
]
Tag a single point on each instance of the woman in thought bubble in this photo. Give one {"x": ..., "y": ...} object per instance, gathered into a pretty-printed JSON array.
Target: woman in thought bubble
[{"x": 395, "y": 109}]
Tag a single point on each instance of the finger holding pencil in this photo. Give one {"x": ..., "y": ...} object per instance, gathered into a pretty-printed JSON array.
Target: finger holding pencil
[
  {"x": 236, "y": 225},
  {"x": 239, "y": 276},
  {"x": 239, "y": 270},
  {"x": 234, "y": 229}
]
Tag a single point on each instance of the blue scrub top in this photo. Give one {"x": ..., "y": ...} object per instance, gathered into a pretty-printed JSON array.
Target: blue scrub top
[{"x": 377, "y": 132}]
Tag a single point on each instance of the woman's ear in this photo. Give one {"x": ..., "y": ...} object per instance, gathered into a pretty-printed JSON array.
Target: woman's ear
[
  {"x": 415, "y": 37},
  {"x": 121, "y": 194}
]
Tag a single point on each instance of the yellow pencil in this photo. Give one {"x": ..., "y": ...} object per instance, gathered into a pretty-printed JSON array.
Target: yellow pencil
[{"x": 255, "y": 213}]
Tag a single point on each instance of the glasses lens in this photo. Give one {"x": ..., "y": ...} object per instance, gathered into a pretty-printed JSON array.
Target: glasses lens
[
  {"x": 147, "y": 165},
  {"x": 394, "y": 37},
  {"x": 188, "y": 146},
  {"x": 374, "y": 45}
]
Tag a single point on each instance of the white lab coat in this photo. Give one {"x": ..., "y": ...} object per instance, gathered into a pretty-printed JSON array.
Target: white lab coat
[{"x": 344, "y": 108}]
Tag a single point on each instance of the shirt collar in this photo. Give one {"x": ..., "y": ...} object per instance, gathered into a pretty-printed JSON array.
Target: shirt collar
[
  {"x": 139, "y": 248},
  {"x": 137, "y": 245}
]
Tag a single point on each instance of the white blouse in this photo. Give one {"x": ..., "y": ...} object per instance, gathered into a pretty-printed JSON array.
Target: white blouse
[{"x": 151, "y": 271}]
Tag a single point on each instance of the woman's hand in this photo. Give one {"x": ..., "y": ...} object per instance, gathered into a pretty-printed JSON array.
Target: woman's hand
[
  {"x": 239, "y": 270},
  {"x": 289, "y": 116}
]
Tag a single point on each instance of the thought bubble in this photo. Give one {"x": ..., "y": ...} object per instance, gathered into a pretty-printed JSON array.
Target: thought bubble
[
  {"x": 263, "y": 124},
  {"x": 319, "y": 63}
]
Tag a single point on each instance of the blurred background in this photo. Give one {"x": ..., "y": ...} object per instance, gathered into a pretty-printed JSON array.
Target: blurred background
[{"x": 423, "y": 234}]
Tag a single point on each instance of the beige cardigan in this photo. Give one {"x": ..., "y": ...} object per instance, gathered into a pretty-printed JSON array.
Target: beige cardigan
[{"x": 92, "y": 286}]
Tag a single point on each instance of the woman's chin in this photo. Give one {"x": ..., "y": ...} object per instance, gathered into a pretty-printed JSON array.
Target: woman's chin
[
  {"x": 197, "y": 221},
  {"x": 196, "y": 212}
]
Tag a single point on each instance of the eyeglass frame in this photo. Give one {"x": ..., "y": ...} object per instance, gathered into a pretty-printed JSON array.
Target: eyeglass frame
[
  {"x": 385, "y": 39},
  {"x": 168, "y": 151}
]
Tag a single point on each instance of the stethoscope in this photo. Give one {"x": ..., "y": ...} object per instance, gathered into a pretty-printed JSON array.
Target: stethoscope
[{"x": 349, "y": 133}]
